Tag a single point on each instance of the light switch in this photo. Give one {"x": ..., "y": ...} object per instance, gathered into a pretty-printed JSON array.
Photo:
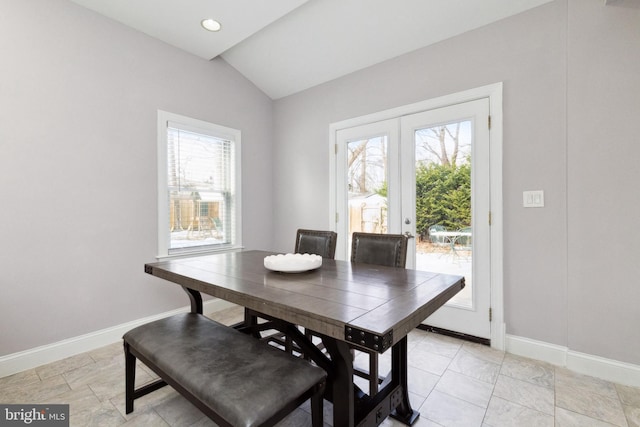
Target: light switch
[{"x": 533, "y": 199}]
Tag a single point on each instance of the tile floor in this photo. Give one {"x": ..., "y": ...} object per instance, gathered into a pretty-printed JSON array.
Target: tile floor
[{"x": 451, "y": 383}]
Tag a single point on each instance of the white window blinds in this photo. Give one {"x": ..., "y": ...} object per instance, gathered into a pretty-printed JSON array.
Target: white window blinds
[{"x": 201, "y": 188}]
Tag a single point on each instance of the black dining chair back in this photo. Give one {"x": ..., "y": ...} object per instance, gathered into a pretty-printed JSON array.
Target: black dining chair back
[
  {"x": 316, "y": 242},
  {"x": 379, "y": 249}
]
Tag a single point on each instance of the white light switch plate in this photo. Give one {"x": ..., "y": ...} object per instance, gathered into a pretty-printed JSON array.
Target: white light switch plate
[{"x": 533, "y": 199}]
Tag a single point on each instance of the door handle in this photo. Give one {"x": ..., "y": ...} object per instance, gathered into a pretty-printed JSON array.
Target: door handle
[{"x": 409, "y": 235}]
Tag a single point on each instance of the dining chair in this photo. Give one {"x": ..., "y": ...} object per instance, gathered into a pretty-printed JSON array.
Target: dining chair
[
  {"x": 316, "y": 242},
  {"x": 379, "y": 249},
  {"x": 465, "y": 239},
  {"x": 434, "y": 238},
  {"x": 464, "y": 243}
]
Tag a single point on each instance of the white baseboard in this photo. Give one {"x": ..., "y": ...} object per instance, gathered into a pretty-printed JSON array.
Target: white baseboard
[
  {"x": 28, "y": 359},
  {"x": 608, "y": 369},
  {"x": 539, "y": 350},
  {"x": 600, "y": 367}
]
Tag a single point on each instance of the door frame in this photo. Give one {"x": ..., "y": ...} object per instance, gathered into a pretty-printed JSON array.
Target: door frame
[
  {"x": 473, "y": 320},
  {"x": 494, "y": 93}
]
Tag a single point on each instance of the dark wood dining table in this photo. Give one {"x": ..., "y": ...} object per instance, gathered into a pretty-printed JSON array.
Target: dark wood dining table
[{"x": 349, "y": 305}]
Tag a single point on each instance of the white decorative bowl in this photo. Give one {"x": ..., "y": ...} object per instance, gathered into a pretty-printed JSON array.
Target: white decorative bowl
[{"x": 292, "y": 263}]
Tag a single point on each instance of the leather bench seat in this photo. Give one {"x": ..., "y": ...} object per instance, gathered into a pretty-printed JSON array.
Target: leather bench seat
[{"x": 233, "y": 378}]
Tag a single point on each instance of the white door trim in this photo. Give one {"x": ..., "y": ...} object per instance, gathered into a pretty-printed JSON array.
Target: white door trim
[{"x": 494, "y": 93}]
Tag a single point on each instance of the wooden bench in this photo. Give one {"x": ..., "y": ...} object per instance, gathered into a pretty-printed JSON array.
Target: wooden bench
[{"x": 231, "y": 377}]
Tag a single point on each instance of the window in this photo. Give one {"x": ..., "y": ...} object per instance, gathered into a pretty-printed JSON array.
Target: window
[{"x": 198, "y": 186}]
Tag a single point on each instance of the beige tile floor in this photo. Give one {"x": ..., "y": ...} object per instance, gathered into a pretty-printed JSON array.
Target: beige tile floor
[{"x": 451, "y": 383}]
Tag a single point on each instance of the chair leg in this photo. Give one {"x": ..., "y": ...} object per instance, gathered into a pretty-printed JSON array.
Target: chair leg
[
  {"x": 130, "y": 378},
  {"x": 251, "y": 319},
  {"x": 288, "y": 344}
]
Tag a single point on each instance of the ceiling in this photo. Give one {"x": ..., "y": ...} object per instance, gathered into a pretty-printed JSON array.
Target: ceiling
[{"x": 286, "y": 46}]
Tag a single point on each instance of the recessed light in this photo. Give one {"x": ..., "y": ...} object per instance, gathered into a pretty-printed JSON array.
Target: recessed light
[{"x": 211, "y": 25}]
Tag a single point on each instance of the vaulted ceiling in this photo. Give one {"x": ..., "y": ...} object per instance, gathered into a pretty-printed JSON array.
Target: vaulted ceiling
[{"x": 285, "y": 46}]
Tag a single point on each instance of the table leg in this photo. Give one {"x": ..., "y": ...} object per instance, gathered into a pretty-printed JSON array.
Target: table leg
[
  {"x": 400, "y": 367},
  {"x": 196, "y": 300},
  {"x": 341, "y": 382},
  {"x": 251, "y": 320}
]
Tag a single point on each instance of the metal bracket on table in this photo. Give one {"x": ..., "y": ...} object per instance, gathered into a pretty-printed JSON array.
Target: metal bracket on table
[{"x": 375, "y": 342}]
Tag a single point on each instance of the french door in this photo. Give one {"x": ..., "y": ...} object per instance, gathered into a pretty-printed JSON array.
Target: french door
[{"x": 427, "y": 175}]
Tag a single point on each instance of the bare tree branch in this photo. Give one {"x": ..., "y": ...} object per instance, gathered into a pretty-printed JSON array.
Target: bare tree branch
[{"x": 456, "y": 139}]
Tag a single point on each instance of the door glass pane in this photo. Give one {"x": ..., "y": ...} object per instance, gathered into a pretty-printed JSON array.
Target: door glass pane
[
  {"x": 367, "y": 185},
  {"x": 443, "y": 203}
]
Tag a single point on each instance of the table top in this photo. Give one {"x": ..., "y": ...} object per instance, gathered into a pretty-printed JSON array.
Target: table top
[
  {"x": 450, "y": 233},
  {"x": 360, "y": 303}
]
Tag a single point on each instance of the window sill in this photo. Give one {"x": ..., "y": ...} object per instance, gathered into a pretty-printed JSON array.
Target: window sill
[{"x": 209, "y": 251}]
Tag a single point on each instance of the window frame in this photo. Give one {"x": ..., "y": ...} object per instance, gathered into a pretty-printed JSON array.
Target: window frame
[{"x": 166, "y": 118}]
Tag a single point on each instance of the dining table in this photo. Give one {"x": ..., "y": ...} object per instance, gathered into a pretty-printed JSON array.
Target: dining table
[
  {"x": 348, "y": 305},
  {"x": 451, "y": 238}
]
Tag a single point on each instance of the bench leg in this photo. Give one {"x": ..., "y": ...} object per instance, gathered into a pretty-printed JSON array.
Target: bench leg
[
  {"x": 131, "y": 393},
  {"x": 130, "y": 378},
  {"x": 317, "y": 414}
]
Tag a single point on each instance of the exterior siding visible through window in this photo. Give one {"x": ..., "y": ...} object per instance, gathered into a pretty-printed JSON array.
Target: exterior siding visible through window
[{"x": 198, "y": 186}]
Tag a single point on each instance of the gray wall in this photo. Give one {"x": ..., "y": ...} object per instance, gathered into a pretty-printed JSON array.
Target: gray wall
[
  {"x": 79, "y": 96},
  {"x": 571, "y": 105},
  {"x": 603, "y": 175}
]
